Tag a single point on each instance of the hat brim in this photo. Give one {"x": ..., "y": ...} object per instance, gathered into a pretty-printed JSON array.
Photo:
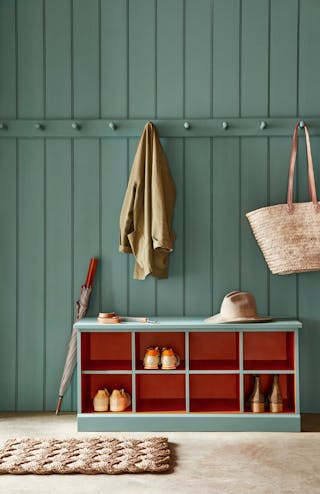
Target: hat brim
[{"x": 217, "y": 318}]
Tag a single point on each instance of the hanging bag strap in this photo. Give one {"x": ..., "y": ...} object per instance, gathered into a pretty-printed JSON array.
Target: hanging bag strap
[{"x": 311, "y": 180}]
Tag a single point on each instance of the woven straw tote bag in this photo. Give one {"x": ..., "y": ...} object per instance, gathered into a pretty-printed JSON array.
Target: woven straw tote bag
[{"x": 289, "y": 234}]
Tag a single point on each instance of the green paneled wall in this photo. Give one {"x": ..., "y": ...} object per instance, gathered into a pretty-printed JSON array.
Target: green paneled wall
[{"x": 61, "y": 197}]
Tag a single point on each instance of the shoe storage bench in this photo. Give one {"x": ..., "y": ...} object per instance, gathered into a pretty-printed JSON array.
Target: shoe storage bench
[{"x": 209, "y": 391}]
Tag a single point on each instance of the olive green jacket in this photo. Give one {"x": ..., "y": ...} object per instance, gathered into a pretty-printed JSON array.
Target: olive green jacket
[{"x": 146, "y": 215}]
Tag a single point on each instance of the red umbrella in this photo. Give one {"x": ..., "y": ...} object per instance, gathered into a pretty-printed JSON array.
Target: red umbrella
[{"x": 82, "y": 307}]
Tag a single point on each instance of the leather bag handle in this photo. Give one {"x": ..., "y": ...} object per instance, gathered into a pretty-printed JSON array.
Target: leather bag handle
[{"x": 311, "y": 180}]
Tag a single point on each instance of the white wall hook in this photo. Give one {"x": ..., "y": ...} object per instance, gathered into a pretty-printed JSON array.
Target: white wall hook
[
  {"x": 225, "y": 125},
  {"x": 187, "y": 125},
  {"x": 112, "y": 126},
  {"x": 263, "y": 125},
  {"x": 76, "y": 126}
]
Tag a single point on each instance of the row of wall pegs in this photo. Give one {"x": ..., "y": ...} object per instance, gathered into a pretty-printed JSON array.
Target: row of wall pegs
[
  {"x": 41, "y": 126},
  {"x": 225, "y": 125},
  {"x": 130, "y": 127},
  {"x": 77, "y": 126}
]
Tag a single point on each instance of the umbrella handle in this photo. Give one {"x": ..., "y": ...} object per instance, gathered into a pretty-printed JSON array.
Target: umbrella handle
[{"x": 91, "y": 272}]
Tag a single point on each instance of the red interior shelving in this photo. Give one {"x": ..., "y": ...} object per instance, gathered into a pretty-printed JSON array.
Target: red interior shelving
[
  {"x": 268, "y": 351},
  {"x": 92, "y": 382},
  {"x": 214, "y": 351},
  {"x": 214, "y": 393},
  {"x": 286, "y": 382},
  {"x": 161, "y": 339},
  {"x": 161, "y": 393},
  {"x": 211, "y": 354},
  {"x": 106, "y": 351}
]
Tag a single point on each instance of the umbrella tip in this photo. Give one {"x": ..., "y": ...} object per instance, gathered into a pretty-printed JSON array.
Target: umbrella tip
[{"x": 59, "y": 405}]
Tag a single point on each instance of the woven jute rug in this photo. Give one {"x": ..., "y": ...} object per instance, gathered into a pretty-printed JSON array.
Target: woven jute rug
[{"x": 93, "y": 455}]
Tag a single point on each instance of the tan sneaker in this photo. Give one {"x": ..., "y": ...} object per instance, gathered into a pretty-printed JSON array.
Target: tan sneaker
[
  {"x": 119, "y": 400},
  {"x": 101, "y": 400}
]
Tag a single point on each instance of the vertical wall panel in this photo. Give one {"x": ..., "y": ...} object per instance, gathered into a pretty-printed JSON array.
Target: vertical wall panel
[
  {"x": 142, "y": 293},
  {"x": 86, "y": 215},
  {"x": 283, "y": 57},
  {"x": 282, "y": 288},
  {"x": 8, "y": 273},
  {"x": 225, "y": 88},
  {"x": 113, "y": 264},
  {"x": 198, "y": 296},
  {"x": 142, "y": 58},
  {"x": 308, "y": 310},
  {"x": 7, "y": 60},
  {"x": 86, "y": 58},
  {"x": 308, "y": 306},
  {"x": 58, "y": 58},
  {"x": 169, "y": 59},
  {"x": 283, "y": 101},
  {"x": 30, "y": 58},
  {"x": 198, "y": 58},
  {"x": 170, "y": 291},
  {"x": 254, "y": 186},
  {"x": 114, "y": 58},
  {"x": 58, "y": 322},
  {"x": 145, "y": 59},
  {"x": 225, "y": 219},
  {"x": 309, "y": 71},
  {"x": 254, "y": 58},
  {"x": 31, "y": 275}
]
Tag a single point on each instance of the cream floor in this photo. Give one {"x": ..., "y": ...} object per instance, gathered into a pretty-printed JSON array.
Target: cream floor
[{"x": 213, "y": 463}]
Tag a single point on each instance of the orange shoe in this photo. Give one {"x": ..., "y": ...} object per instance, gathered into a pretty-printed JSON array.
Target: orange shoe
[
  {"x": 151, "y": 358},
  {"x": 169, "y": 359}
]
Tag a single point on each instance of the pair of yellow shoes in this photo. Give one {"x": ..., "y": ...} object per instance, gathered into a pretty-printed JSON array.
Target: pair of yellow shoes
[
  {"x": 166, "y": 358},
  {"x": 118, "y": 401}
]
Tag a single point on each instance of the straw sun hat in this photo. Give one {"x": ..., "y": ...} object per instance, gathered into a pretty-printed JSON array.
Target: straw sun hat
[{"x": 238, "y": 307}]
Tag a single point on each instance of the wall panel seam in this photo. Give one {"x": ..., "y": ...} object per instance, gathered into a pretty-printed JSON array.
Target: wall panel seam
[
  {"x": 298, "y": 57},
  {"x": 240, "y": 59},
  {"x": 100, "y": 62},
  {"x": 100, "y": 221},
  {"x": 184, "y": 227},
  {"x": 211, "y": 59},
  {"x": 44, "y": 58},
  {"x": 240, "y": 214},
  {"x": 16, "y": 53},
  {"x": 72, "y": 58},
  {"x": 155, "y": 58},
  {"x": 269, "y": 56},
  {"x": 184, "y": 58},
  {"x": 44, "y": 271},
  {"x": 128, "y": 58},
  {"x": 211, "y": 225},
  {"x": 17, "y": 273},
  {"x": 72, "y": 251}
]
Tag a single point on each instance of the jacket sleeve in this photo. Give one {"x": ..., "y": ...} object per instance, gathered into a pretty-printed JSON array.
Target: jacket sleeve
[
  {"x": 126, "y": 219},
  {"x": 163, "y": 198}
]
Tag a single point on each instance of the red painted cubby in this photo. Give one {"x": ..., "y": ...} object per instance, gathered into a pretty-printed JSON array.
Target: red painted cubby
[
  {"x": 268, "y": 350},
  {"x": 106, "y": 351},
  {"x": 214, "y": 393},
  {"x": 214, "y": 351},
  {"x": 161, "y": 339},
  {"x": 92, "y": 382},
  {"x": 161, "y": 393},
  {"x": 286, "y": 382}
]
